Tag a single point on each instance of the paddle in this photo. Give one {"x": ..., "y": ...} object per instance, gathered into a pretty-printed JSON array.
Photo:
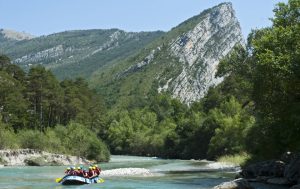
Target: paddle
[
  {"x": 101, "y": 180},
  {"x": 58, "y": 180}
]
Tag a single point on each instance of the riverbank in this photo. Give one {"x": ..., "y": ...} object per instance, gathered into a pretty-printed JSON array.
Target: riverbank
[
  {"x": 282, "y": 172},
  {"x": 32, "y": 157}
]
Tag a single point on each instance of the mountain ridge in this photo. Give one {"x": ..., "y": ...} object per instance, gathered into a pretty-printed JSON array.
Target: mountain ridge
[
  {"x": 124, "y": 66},
  {"x": 75, "y": 53},
  {"x": 182, "y": 62}
]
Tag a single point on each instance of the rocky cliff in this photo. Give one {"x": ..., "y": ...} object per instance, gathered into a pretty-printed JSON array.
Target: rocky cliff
[
  {"x": 200, "y": 50},
  {"x": 182, "y": 62}
]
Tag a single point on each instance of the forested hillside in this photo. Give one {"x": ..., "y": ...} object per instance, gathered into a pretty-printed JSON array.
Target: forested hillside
[
  {"x": 37, "y": 111},
  {"x": 77, "y": 53}
]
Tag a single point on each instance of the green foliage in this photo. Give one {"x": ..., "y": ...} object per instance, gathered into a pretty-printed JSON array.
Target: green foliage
[
  {"x": 4, "y": 61},
  {"x": 233, "y": 126},
  {"x": 44, "y": 94},
  {"x": 146, "y": 131},
  {"x": 8, "y": 138},
  {"x": 75, "y": 139},
  {"x": 265, "y": 79},
  {"x": 80, "y": 141},
  {"x": 277, "y": 83},
  {"x": 33, "y": 104},
  {"x": 33, "y": 139},
  {"x": 13, "y": 105}
]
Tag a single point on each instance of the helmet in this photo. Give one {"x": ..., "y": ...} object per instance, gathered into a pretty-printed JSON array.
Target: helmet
[
  {"x": 72, "y": 168},
  {"x": 68, "y": 168},
  {"x": 78, "y": 168},
  {"x": 90, "y": 167},
  {"x": 96, "y": 166}
]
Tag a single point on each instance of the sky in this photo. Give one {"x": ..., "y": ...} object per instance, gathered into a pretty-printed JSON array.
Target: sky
[{"x": 42, "y": 17}]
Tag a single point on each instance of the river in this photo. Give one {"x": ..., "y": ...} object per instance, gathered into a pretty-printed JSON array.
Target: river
[{"x": 127, "y": 172}]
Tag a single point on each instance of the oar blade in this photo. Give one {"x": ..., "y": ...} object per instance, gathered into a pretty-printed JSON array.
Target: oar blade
[
  {"x": 58, "y": 180},
  {"x": 101, "y": 180}
]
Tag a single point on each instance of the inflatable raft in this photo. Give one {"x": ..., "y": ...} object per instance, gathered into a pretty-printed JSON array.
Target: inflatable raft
[{"x": 77, "y": 180}]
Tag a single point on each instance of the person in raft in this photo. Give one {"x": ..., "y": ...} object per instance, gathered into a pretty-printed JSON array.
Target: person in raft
[
  {"x": 79, "y": 171},
  {"x": 67, "y": 171},
  {"x": 97, "y": 169},
  {"x": 91, "y": 172}
]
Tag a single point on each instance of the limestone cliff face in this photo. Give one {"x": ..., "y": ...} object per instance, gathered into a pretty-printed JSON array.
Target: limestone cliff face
[
  {"x": 187, "y": 56},
  {"x": 200, "y": 50}
]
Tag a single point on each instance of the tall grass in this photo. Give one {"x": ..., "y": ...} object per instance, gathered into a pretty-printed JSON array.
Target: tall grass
[{"x": 236, "y": 159}]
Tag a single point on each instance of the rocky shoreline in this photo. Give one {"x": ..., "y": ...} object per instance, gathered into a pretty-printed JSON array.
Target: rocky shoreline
[
  {"x": 32, "y": 157},
  {"x": 284, "y": 172}
]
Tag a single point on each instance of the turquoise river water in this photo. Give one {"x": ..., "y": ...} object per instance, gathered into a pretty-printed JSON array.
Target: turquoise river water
[{"x": 126, "y": 172}]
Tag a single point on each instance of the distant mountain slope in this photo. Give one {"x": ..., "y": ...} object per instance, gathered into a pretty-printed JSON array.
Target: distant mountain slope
[
  {"x": 6, "y": 34},
  {"x": 76, "y": 53},
  {"x": 182, "y": 62}
]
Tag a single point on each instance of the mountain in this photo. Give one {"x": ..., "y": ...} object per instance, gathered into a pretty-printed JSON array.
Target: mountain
[
  {"x": 74, "y": 53},
  {"x": 182, "y": 62},
  {"x": 11, "y": 35}
]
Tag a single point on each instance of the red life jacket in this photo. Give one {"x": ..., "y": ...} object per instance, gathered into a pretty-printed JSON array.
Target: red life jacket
[
  {"x": 80, "y": 173},
  {"x": 97, "y": 171},
  {"x": 91, "y": 173},
  {"x": 85, "y": 174}
]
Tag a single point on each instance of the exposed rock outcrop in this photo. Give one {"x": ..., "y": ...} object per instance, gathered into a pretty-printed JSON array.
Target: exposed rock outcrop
[
  {"x": 11, "y": 34},
  {"x": 33, "y": 157},
  {"x": 188, "y": 55},
  {"x": 235, "y": 184},
  {"x": 201, "y": 49},
  {"x": 286, "y": 172},
  {"x": 292, "y": 171},
  {"x": 266, "y": 168}
]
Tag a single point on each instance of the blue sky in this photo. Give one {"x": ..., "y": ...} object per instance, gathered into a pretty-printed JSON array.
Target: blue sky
[{"x": 41, "y": 17}]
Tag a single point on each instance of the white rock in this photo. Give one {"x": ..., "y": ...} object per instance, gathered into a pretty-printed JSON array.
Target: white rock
[
  {"x": 127, "y": 172},
  {"x": 200, "y": 51},
  {"x": 18, "y": 157}
]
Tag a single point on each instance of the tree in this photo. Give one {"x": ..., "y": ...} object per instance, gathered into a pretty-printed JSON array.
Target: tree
[
  {"x": 4, "y": 61},
  {"x": 277, "y": 81},
  {"x": 233, "y": 126},
  {"x": 44, "y": 94},
  {"x": 13, "y": 105}
]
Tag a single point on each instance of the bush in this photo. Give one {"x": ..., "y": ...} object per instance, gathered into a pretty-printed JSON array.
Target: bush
[
  {"x": 32, "y": 139},
  {"x": 80, "y": 141},
  {"x": 7, "y": 137},
  {"x": 74, "y": 139}
]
